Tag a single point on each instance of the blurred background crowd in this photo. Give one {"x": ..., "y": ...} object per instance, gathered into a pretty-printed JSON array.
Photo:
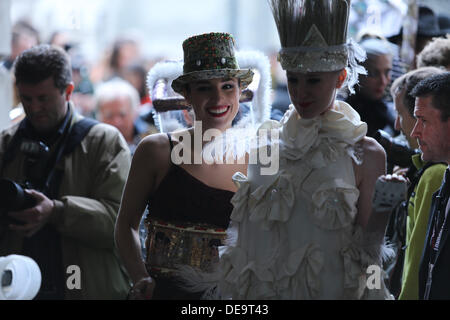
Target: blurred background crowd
[{"x": 114, "y": 43}]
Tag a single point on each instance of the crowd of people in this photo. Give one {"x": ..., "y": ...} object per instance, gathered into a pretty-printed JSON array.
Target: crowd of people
[{"x": 146, "y": 212}]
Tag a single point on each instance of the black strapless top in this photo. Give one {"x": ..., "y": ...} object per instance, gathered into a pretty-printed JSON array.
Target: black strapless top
[{"x": 182, "y": 198}]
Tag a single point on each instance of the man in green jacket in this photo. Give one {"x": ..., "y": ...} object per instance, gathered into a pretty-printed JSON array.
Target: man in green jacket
[
  {"x": 75, "y": 170},
  {"x": 425, "y": 182}
]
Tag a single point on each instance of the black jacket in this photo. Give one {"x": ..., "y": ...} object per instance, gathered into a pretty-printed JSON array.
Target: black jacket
[
  {"x": 375, "y": 113},
  {"x": 440, "y": 285}
]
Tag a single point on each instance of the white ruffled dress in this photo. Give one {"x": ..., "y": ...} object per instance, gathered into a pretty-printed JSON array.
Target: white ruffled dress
[{"x": 296, "y": 233}]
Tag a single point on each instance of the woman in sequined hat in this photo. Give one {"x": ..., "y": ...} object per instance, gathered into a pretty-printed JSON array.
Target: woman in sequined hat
[
  {"x": 310, "y": 231},
  {"x": 188, "y": 199}
]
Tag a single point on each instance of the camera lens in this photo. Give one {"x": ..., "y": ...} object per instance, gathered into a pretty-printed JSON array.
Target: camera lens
[{"x": 14, "y": 197}]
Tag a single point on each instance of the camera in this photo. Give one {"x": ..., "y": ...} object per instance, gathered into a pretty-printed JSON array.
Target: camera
[
  {"x": 398, "y": 153},
  {"x": 14, "y": 198},
  {"x": 36, "y": 162},
  {"x": 13, "y": 195}
]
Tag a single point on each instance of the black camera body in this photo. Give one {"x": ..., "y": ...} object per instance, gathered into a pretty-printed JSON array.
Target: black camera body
[
  {"x": 14, "y": 197},
  {"x": 397, "y": 153},
  {"x": 36, "y": 163}
]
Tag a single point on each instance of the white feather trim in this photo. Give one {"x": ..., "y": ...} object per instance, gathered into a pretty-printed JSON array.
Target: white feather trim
[
  {"x": 195, "y": 280},
  {"x": 261, "y": 106},
  {"x": 168, "y": 70}
]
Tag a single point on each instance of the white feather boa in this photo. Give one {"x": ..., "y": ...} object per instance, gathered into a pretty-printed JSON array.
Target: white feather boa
[{"x": 261, "y": 101}]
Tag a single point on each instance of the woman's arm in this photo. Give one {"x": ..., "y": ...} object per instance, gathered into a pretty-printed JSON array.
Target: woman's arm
[
  {"x": 373, "y": 166},
  {"x": 374, "y": 207},
  {"x": 150, "y": 163}
]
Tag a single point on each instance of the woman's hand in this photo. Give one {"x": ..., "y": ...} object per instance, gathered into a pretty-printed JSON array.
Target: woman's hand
[
  {"x": 142, "y": 290},
  {"x": 390, "y": 190},
  {"x": 400, "y": 171}
]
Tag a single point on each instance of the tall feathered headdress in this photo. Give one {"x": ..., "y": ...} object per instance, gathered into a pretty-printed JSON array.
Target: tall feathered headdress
[{"x": 313, "y": 37}]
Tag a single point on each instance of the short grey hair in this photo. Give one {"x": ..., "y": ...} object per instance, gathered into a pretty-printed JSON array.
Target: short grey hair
[
  {"x": 408, "y": 81},
  {"x": 113, "y": 89}
]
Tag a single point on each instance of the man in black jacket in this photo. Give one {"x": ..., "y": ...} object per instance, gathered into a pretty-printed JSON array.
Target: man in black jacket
[{"x": 432, "y": 130}]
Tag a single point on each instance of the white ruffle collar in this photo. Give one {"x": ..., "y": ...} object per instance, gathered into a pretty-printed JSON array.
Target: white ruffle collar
[{"x": 341, "y": 124}]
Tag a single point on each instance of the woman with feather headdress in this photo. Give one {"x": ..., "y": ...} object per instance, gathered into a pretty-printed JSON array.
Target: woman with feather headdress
[{"x": 312, "y": 231}]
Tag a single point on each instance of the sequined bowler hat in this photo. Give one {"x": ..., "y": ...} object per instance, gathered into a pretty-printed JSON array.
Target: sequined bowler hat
[{"x": 210, "y": 56}]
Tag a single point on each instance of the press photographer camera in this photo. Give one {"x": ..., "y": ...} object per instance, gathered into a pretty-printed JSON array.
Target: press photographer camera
[
  {"x": 14, "y": 197},
  {"x": 398, "y": 153}
]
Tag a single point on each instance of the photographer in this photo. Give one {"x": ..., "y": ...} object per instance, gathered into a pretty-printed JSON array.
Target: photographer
[
  {"x": 74, "y": 170},
  {"x": 425, "y": 178}
]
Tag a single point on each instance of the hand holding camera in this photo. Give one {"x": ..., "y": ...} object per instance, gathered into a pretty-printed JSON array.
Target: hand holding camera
[
  {"x": 34, "y": 218},
  {"x": 28, "y": 210}
]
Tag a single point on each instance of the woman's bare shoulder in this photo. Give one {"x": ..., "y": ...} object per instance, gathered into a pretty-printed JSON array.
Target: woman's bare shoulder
[
  {"x": 152, "y": 151},
  {"x": 373, "y": 160},
  {"x": 152, "y": 141},
  {"x": 373, "y": 152}
]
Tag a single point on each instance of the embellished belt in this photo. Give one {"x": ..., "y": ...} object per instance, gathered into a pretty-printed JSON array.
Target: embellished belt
[{"x": 172, "y": 245}]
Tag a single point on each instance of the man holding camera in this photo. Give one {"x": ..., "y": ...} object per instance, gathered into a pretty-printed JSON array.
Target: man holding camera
[{"x": 74, "y": 170}]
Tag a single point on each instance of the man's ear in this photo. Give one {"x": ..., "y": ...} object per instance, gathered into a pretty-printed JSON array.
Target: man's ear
[
  {"x": 341, "y": 78},
  {"x": 69, "y": 91}
]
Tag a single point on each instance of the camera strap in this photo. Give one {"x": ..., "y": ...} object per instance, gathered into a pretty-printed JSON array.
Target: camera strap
[{"x": 71, "y": 140}]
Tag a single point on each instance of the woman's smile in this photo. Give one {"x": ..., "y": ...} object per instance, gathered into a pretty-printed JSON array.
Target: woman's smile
[{"x": 218, "y": 111}]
